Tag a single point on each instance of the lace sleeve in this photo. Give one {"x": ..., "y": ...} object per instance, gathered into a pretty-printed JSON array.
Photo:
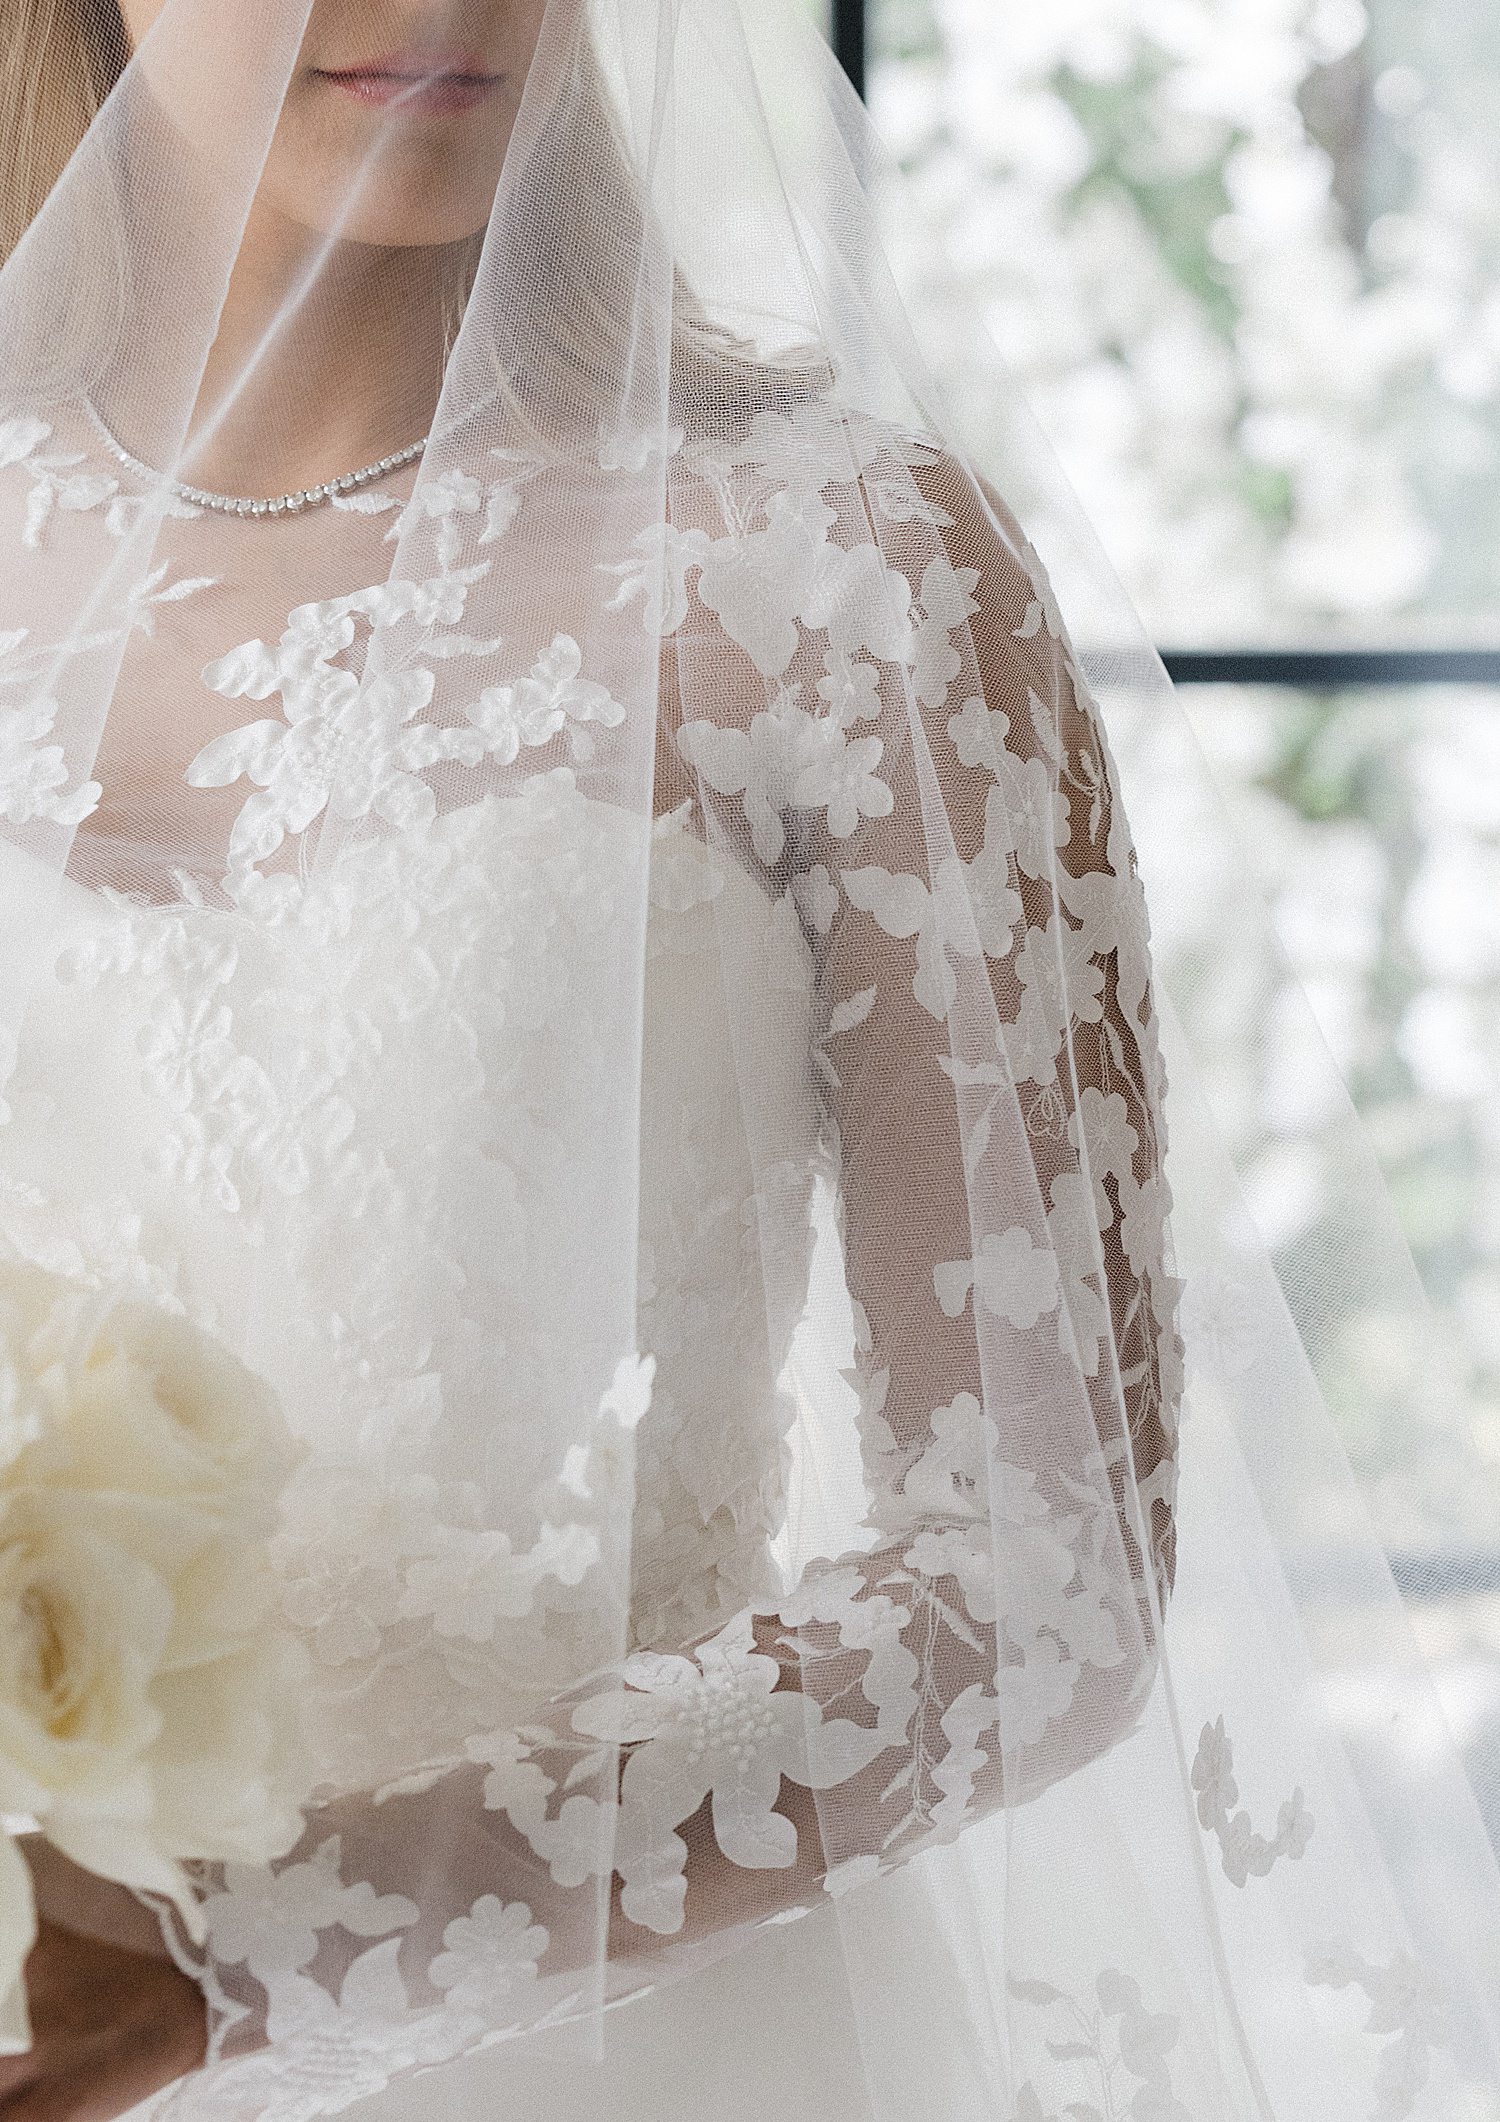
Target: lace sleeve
[
  {"x": 876, "y": 705},
  {"x": 961, "y": 867}
]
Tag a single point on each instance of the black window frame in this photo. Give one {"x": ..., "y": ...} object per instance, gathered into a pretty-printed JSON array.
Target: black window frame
[{"x": 851, "y": 40}]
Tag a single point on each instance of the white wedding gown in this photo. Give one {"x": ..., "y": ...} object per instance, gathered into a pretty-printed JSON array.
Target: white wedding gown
[{"x": 352, "y": 1116}]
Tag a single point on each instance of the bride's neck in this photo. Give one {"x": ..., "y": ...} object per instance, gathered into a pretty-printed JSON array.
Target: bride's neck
[{"x": 326, "y": 358}]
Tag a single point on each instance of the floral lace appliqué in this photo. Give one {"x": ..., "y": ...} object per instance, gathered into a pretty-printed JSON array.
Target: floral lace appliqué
[{"x": 1244, "y": 1853}]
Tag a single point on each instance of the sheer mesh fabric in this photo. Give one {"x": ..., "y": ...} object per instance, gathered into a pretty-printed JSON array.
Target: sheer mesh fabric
[{"x": 611, "y": 965}]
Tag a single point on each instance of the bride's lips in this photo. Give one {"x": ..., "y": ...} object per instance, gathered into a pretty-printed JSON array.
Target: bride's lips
[{"x": 417, "y": 81}]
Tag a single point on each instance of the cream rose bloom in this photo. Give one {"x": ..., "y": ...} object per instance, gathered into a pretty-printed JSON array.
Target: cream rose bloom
[{"x": 149, "y": 1691}]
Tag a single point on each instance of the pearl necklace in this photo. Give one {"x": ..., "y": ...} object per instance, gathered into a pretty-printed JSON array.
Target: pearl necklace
[{"x": 243, "y": 504}]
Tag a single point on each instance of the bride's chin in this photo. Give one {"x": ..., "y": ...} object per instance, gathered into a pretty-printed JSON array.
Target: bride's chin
[{"x": 421, "y": 189}]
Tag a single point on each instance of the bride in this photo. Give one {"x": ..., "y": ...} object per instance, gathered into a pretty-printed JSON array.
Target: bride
[{"x": 569, "y": 912}]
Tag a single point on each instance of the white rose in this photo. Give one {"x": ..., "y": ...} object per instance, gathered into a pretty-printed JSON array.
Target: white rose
[
  {"x": 141, "y": 1399},
  {"x": 148, "y": 1691}
]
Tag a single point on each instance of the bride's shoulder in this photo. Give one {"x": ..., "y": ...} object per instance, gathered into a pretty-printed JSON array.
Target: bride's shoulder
[
  {"x": 891, "y": 480},
  {"x": 812, "y": 441},
  {"x": 770, "y": 493}
]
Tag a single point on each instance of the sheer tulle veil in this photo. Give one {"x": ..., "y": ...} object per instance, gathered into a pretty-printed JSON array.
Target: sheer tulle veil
[{"x": 716, "y": 748}]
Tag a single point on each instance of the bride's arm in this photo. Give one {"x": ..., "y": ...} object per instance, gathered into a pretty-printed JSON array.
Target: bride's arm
[{"x": 990, "y": 1096}]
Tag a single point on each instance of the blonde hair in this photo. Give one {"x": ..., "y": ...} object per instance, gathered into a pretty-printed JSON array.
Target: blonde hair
[
  {"x": 61, "y": 60},
  {"x": 581, "y": 242}
]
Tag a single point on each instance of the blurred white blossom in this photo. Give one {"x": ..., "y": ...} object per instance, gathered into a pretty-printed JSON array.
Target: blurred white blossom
[{"x": 1243, "y": 259}]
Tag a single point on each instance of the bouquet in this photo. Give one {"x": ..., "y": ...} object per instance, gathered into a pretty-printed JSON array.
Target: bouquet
[{"x": 148, "y": 1688}]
